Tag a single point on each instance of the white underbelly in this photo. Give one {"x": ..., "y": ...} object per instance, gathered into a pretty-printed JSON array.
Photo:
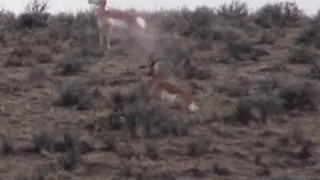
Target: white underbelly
[
  {"x": 167, "y": 96},
  {"x": 118, "y": 23}
]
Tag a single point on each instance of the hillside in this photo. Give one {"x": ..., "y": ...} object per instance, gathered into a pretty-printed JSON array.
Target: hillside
[{"x": 70, "y": 109}]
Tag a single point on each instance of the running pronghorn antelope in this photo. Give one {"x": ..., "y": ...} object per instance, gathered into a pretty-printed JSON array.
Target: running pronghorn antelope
[
  {"x": 109, "y": 19},
  {"x": 160, "y": 89}
]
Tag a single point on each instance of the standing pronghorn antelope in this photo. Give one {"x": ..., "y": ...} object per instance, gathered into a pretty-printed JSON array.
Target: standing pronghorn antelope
[
  {"x": 107, "y": 20},
  {"x": 160, "y": 89}
]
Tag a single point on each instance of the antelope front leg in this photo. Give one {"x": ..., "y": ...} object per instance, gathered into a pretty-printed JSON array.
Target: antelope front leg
[
  {"x": 109, "y": 34},
  {"x": 100, "y": 37}
]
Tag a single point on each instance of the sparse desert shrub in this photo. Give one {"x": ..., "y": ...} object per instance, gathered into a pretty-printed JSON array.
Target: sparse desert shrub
[
  {"x": 221, "y": 169},
  {"x": 133, "y": 111},
  {"x": 84, "y": 143},
  {"x": 258, "y": 108},
  {"x": 72, "y": 92},
  {"x": 109, "y": 144},
  {"x": 60, "y": 175},
  {"x": 151, "y": 151},
  {"x": 284, "y": 176},
  {"x": 43, "y": 57},
  {"x": 310, "y": 35},
  {"x": 85, "y": 19},
  {"x": 169, "y": 21},
  {"x": 171, "y": 49},
  {"x": 69, "y": 160},
  {"x": 197, "y": 73},
  {"x": 299, "y": 96},
  {"x": 32, "y": 20},
  {"x": 186, "y": 70},
  {"x": 238, "y": 48},
  {"x": 267, "y": 37},
  {"x": 301, "y": 54},
  {"x": 19, "y": 56},
  {"x": 36, "y": 173},
  {"x": 237, "y": 44},
  {"x": 38, "y": 75},
  {"x": 6, "y": 146},
  {"x": 268, "y": 85},
  {"x": 55, "y": 141},
  {"x": 41, "y": 141},
  {"x": 14, "y": 61},
  {"x": 197, "y": 148},
  {"x": 281, "y": 14},
  {"x": 35, "y": 15},
  {"x": 235, "y": 10},
  {"x": 152, "y": 122},
  {"x": 60, "y": 26},
  {"x": 44, "y": 171},
  {"x": 71, "y": 64},
  {"x": 201, "y": 23},
  {"x": 7, "y": 20},
  {"x": 315, "y": 69},
  {"x": 197, "y": 24},
  {"x": 37, "y": 6},
  {"x": 234, "y": 89}
]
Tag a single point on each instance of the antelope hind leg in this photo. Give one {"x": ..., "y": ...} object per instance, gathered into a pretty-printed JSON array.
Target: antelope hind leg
[{"x": 109, "y": 34}]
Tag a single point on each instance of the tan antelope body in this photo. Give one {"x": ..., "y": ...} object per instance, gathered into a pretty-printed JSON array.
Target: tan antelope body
[
  {"x": 160, "y": 89},
  {"x": 107, "y": 20}
]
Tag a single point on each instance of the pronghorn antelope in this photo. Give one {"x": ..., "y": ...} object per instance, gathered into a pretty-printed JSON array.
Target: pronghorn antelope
[
  {"x": 109, "y": 19},
  {"x": 160, "y": 89}
]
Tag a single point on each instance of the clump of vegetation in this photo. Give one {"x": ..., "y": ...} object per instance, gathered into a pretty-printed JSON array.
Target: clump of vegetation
[
  {"x": 235, "y": 10},
  {"x": 32, "y": 20},
  {"x": 43, "y": 56},
  {"x": 71, "y": 64},
  {"x": 237, "y": 44},
  {"x": 281, "y": 14},
  {"x": 258, "y": 108},
  {"x": 267, "y": 37},
  {"x": 151, "y": 151},
  {"x": 221, "y": 169},
  {"x": 197, "y": 148},
  {"x": 299, "y": 96},
  {"x": 310, "y": 34},
  {"x": 38, "y": 76},
  {"x": 301, "y": 54},
  {"x": 73, "y": 92},
  {"x": 6, "y": 146},
  {"x": 44, "y": 171},
  {"x": 35, "y": 15},
  {"x": 17, "y": 56},
  {"x": 69, "y": 160},
  {"x": 284, "y": 176},
  {"x": 59, "y": 141},
  {"x": 133, "y": 111}
]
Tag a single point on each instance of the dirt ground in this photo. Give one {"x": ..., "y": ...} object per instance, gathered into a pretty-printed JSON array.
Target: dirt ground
[{"x": 258, "y": 116}]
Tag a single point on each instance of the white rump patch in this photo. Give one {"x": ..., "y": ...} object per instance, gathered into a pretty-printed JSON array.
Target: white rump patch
[
  {"x": 167, "y": 96},
  {"x": 141, "y": 22},
  {"x": 193, "y": 107},
  {"x": 118, "y": 24}
]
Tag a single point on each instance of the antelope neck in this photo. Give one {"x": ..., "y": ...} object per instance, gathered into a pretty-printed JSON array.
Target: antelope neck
[{"x": 102, "y": 6}]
